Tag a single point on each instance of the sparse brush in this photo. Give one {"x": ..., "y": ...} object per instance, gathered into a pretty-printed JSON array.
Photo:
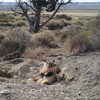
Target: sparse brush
[
  {"x": 94, "y": 37},
  {"x": 14, "y": 44},
  {"x": 11, "y": 46},
  {"x": 63, "y": 16},
  {"x": 18, "y": 35},
  {"x": 37, "y": 53},
  {"x": 6, "y": 17},
  {"x": 6, "y": 24},
  {"x": 43, "y": 39},
  {"x": 65, "y": 33},
  {"x": 23, "y": 18},
  {"x": 20, "y": 23},
  {"x": 77, "y": 44},
  {"x": 56, "y": 24}
]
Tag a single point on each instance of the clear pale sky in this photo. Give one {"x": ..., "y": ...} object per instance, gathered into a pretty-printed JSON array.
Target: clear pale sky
[{"x": 66, "y": 0}]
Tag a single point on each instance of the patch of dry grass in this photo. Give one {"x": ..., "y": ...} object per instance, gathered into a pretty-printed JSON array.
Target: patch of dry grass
[
  {"x": 88, "y": 40},
  {"x": 63, "y": 16},
  {"x": 44, "y": 39},
  {"x": 77, "y": 44},
  {"x": 36, "y": 53},
  {"x": 57, "y": 24},
  {"x": 20, "y": 23}
]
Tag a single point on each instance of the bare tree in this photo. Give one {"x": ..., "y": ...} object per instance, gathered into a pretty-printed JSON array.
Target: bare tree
[{"x": 37, "y": 6}]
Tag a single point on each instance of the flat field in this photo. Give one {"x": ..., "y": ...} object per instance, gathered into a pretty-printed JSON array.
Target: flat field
[{"x": 75, "y": 9}]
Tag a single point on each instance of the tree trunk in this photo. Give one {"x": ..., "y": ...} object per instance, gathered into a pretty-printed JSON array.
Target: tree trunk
[
  {"x": 37, "y": 21},
  {"x": 31, "y": 23}
]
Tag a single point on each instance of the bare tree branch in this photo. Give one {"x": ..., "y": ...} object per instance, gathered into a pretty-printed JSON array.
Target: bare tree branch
[
  {"x": 62, "y": 3},
  {"x": 37, "y": 6},
  {"x": 30, "y": 6}
]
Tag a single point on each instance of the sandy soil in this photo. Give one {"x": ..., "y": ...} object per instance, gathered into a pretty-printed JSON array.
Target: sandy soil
[{"x": 81, "y": 79}]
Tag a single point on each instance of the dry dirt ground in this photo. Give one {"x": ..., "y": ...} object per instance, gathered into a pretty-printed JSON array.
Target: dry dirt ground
[{"x": 81, "y": 79}]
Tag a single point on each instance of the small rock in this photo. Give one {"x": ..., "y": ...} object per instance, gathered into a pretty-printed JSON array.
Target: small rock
[
  {"x": 29, "y": 81},
  {"x": 24, "y": 82},
  {"x": 2, "y": 79},
  {"x": 5, "y": 92},
  {"x": 59, "y": 58},
  {"x": 16, "y": 77},
  {"x": 8, "y": 86}
]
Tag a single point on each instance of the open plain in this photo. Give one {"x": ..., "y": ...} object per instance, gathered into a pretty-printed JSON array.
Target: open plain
[{"x": 74, "y": 45}]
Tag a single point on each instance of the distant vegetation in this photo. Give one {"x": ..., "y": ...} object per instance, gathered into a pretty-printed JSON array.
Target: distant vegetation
[{"x": 70, "y": 34}]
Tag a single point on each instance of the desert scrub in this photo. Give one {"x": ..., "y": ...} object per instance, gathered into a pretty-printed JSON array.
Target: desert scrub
[
  {"x": 63, "y": 16},
  {"x": 20, "y": 23},
  {"x": 18, "y": 35},
  {"x": 66, "y": 32},
  {"x": 43, "y": 39},
  {"x": 6, "y": 17},
  {"x": 36, "y": 53},
  {"x": 56, "y": 24},
  {"x": 88, "y": 18},
  {"x": 6, "y": 24},
  {"x": 23, "y": 18},
  {"x": 11, "y": 46},
  {"x": 94, "y": 36},
  {"x": 77, "y": 44}
]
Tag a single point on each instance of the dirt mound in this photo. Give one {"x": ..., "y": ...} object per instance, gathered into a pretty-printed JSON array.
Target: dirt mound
[{"x": 81, "y": 79}]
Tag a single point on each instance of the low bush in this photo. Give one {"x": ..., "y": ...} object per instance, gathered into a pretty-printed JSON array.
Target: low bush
[
  {"x": 36, "y": 53},
  {"x": 43, "y": 39},
  {"x": 6, "y": 24},
  {"x": 56, "y": 24},
  {"x": 11, "y": 46},
  {"x": 20, "y": 23},
  {"x": 94, "y": 28},
  {"x": 77, "y": 44},
  {"x": 63, "y": 16}
]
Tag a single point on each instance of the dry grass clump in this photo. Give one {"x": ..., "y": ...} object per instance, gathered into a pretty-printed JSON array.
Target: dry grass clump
[
  {"x": 56, "y": 24},
  {"x": 18, "y": 35},
  {"x": 43, "y": 39},
  {"x": 20, "y": 23},
  {"x": 94, "y": 28},
  {"x": 6, "y": 24},
  {"x": 6, "y": 17},
  {"x": 36, "y": 53},
  {"x": 66, "y": 32},
  {"x": 23, "y": 18},
  {"x": 88, "y": 18},
  {"x": 63, "y": 16},
  {"x": 9, "y": 47},
  {"x": 77, "y": 44},
  {"x": 14, "y": 43},
  {"x": 87, "y": 40}
]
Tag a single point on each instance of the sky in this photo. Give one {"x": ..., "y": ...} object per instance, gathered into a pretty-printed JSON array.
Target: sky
[{"x": 66, "y": 0}]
